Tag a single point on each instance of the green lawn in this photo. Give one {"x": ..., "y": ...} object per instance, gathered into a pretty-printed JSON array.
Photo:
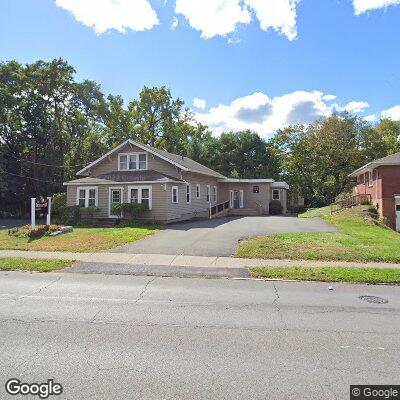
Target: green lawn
[
  {"x": 330, "y": 274},
  {"x": 27, "y": 264},
  {"x": 80, "y": 240},
  {"x": 316, "y": 212},
  {"x": 359, "y": 239}
]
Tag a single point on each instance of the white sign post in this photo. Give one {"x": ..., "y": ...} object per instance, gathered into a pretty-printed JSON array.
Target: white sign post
[
  {"x": 33, "y": 212},
  {"x": 48, "y": 211}
]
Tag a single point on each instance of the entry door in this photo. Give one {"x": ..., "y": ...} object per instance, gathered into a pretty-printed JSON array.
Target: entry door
[
  {"x": 398, "y": 214},
  {"x": 236, "y": 199},
  {"x": 115, "y": 198}
]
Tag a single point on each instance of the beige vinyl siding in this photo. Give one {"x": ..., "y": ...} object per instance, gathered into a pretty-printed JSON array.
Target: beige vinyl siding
[
  {"x": 159, "y": 199},
  {"x": 250, "y": 199},
  {"x": 198, "y": 206},
  {"x": 155, "y": 163}
]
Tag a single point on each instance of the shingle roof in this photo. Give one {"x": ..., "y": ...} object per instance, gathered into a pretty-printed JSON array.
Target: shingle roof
[
  {"x": 393, "y": 159},
  {"x": 389, "y": 159},
  {"x": 138, "y": 176},
  {"x": 126, "y": 176},
  {"x": 87, "y": 180},
  {"x": 186, "y": 162}
]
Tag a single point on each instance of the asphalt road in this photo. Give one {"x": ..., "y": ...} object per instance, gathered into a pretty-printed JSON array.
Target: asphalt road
[
  {"x": 219, "y": 237},
  {"x": 126, "y": 337}
]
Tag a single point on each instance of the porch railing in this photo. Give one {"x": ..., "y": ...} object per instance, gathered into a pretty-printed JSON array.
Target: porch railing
[
  {"x": 217, "y": 209},
  {"x": 359, "y": 199}
]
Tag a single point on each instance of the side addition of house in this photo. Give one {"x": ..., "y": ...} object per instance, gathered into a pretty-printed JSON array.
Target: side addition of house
[
  {"x": 174, "y": 187},
  {"x": 381, "y": 180}
]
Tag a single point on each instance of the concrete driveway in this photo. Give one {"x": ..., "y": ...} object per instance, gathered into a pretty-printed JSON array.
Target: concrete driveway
[{"x": 219, "y": 237}]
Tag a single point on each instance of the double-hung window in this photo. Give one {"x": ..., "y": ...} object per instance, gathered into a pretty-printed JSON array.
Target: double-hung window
[
  {"x": 86, "y": 197},
  {"x": 276, "y": 194},
  {"x": 132, "y": 161},
  {"x": 208, "y": 194},
  {"x": 141, "y": 195},
  {"x": 174, "y": 195},
  {"x": 370, "y": 178},
  {"x": 215, "y": 194},
  {"x": 188, "y": 193},
  {"x": 198, "y": 191}
]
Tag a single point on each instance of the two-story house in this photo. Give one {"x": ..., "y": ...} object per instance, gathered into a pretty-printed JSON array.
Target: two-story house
[
  {"x": 174, "y": 187},
  {"x": 381, "y": 180}
]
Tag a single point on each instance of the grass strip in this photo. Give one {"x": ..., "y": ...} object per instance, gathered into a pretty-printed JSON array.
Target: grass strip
[
  {"x": 28, "y": 264},
  {"x": 330, "y": 274}
]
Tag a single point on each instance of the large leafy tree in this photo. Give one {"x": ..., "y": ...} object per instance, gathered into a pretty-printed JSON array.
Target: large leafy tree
[{"x": 48, "y": 128}]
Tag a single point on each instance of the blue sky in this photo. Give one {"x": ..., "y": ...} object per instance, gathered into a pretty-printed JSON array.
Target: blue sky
[{"x": 258, "y": 64}]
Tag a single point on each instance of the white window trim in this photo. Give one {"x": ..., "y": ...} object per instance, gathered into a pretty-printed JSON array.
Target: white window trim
[
  {"x": 370, "y": 180},
  {"x": 208, "y": 195},
  {"x": 198, "y": 191},
  {"x": 139, "y": 189},
  {"x": 231, "y": 199},
  {"x": 86, "y": 189},
  {"x": 137, "y": 154},
  {"x": 215, "y": 194},
  {"x": 279, "y": 194},
  {"x": 172, "y": 194},
  {"x": 188, "y": 185},
  {"x": 109, "y": 199},
  {"x": 241, "y": 199}
]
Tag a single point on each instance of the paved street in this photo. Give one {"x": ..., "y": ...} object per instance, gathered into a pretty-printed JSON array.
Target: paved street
[
  {"x": 126, "y": 337},
  {"x": 220, "y": 237}
]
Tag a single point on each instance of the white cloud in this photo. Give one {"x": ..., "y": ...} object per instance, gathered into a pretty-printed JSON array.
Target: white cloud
[
  {"x": 199, "y": 103},
  {"x": 362, "y": 6},
  {"x": 213, "y": 17},
  {"x": 265, "y": 115},
  {"x": 392, "y": 113},
  {"x": 329, "y": 97},
  {"x": 221, "y": 17},
  {"x": 279, "y": 15},
  {"x": 370, "y": 118},
  {"x": 355, "y": 106},
  {"x": 175, "y": 23},
  {"x": 102, "y": 15}
]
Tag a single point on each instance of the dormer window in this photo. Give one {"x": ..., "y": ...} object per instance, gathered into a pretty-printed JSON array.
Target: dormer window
[{"x": 132, "y": 161}]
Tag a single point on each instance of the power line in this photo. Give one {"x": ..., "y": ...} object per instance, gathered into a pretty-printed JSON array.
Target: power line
[
  {"x": 43, "y": 164},
  {"x": 30, "y": 178}
]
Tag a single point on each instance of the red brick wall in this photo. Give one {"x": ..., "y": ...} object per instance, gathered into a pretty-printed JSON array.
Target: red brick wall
[
  {"x": 390, "y": 186},
  {"x": 385, "y": 185}
]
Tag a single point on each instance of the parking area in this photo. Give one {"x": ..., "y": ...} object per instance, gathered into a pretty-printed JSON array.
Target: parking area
[{"x": 219, "y": 237}]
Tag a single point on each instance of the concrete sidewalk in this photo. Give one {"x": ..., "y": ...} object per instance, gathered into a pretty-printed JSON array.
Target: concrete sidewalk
[{"x": 184, "y": 261}]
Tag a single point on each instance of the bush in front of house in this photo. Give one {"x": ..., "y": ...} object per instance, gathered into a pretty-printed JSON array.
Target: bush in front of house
[
  {"x": 275, "y": 207},
  {"x": 129, "y": 210},
  {"x": 73, "y": 215},
  {"x": 26, "y": 231}
]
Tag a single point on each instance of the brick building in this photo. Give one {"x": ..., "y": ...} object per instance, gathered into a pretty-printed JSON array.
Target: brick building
[{"x": 381, "y": 179}]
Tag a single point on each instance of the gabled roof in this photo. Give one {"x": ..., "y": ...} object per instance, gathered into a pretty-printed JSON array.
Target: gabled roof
[
  {"x": 393, "y": 159},
  {"x": 184, "y": 163}
]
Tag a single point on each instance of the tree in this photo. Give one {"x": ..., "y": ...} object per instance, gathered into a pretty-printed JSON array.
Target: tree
[
  {"x": 49, "y": 127},
  {"x": 155, "y": 115},
  {"x": 316, "y": 160}
]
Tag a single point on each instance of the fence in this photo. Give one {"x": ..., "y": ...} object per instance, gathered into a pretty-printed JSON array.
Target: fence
[
  {"x": 217, "y": 209},
  {"x": 351, "y": 202}
]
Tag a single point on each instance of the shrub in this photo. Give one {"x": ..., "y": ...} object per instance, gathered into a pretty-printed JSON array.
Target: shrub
[
  {"x": 373, "y": 212},
  {"x": 27, "y": 232},
  {"x": 275, "y": 207},
  {"x": 129, "y": 210}
]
